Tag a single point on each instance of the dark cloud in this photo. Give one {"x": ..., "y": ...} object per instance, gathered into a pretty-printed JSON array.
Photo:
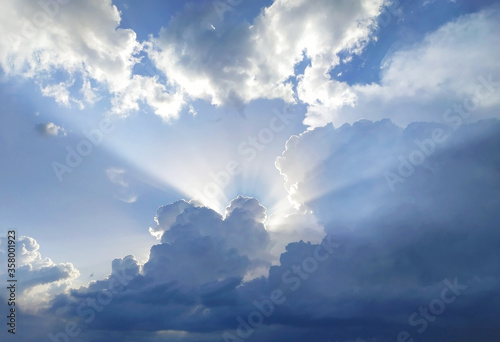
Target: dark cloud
[
  {"x": 44, "y": 275},
  {"x": 198, "y": 245},
  {"x": 419, "y": 261},
  {"x": 440, "y": 223},
  {"x": 49, "y": 129},
  {"x": 34, "y": 270}
]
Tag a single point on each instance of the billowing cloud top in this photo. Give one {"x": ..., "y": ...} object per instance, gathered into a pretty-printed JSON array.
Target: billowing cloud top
[
  {"x": 41, "y": 277},
  {"x": 198, "y": 245}
]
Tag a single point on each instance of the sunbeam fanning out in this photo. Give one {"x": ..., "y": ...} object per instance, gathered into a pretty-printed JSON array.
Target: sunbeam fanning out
[
  {"x": 236, "y": 170},
  {"x": 235, "y": 157}
]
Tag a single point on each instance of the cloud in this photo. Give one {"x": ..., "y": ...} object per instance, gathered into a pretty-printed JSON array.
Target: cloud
[
  {"x": 59, "y": 92},
  {"x": 29, "y": 259},
  {"x": 117, "y": 176},
  {"x": 422, "y": 81},
  {"x": 292, "y": 227},
  {"x": 50, "y": 129},
  {"x": 397, "y": 247},
  {"x": 35, "y": 270},
  {"x": 126, "y": 198},
  {"x": 347, "y": 157},
  {"x": 120, "y": 178},
  {"x": 39, "y": 278},
  {"x": 238, "y": 63},
  {"x": 82, "y": 43},
  {"x": 127, "y": 265},
  {"x": 350, "y": 173},
  {"x": 387, "y": 254},
  {"x": 200, "y": 262},
  {"x": 411, "y": 213},
  {"x": 95, "y": 47},
  {"x": 198, "y": 245},
  {"x": 139, "y": 89},
  {"x": 233, "y": 64}
]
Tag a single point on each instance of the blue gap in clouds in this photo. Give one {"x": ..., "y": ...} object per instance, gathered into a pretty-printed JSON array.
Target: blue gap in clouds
[
  {"x": 52, "y": 77},
  {"x": 148, "y": 17},
  {"x": 400, "y": 26},
  {"x": 250, "y": 9},
  {"x": 299, "y": 69},
  {"x": 302, "y": 65},
  {"x": 240, "y": 11},
  {"x": 147, "y": 68}
]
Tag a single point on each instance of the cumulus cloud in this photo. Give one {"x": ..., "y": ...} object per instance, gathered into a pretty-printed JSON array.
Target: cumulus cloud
[
  {"x": 197, "y": 267},
  {"x": 128, "y": 266},
  {"x": 198, "y": 245},
  {"x": 387, "y": 256},
  {"x": 95, "y": 47},
  {"x": 352, "y": 172},
  {"x": 422, "y": 81},
  {"x": 239, "y": 64},
  {"x": 81, "y": 42},
  {"x": 234, "y": 64},
  {"x": 357, "y": 159},
  {"x": 60, "y": 93},
  {"x": 32, "y": 266},
  {"x": 35, "y": 270},
  {"x": 39, "y": 278},
  {"x": 50, "y": 129},
  {"x": 397, "y": 246},
  {"x": 387, "y": 253},
  {"x": 286, "y": 228}
]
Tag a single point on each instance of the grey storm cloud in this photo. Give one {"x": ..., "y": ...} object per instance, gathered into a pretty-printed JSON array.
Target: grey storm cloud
[
  {"x": 45, "y": 275},
  {"x": 416, "y": 262}
]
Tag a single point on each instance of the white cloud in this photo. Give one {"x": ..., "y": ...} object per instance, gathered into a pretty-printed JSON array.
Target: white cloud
[
  {"x": 59, "y": 92},
  {"x": 240, "y": 64},
  {"x": 40, "y": 278},
  {"x": 90, "y": 94},
  {"x": 120, "y": 178},
  {"x": 149, "y": 90},
  {"x": 420, "y": 82},
  {"x": 127, "y": 198},
  {"x": 79, "y": 36},
  {"x": 81, "y": 41},
  {"x": 192, "y": 111},
  {"x": 117, "y": 176},
  {"x": 237, "y": 64}
]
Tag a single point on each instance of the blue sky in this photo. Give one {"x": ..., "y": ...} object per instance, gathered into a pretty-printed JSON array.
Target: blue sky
[{"x": 204, "y": 149}]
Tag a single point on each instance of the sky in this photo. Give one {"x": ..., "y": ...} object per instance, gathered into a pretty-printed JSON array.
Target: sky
[{"x": 236, "y": 170}]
